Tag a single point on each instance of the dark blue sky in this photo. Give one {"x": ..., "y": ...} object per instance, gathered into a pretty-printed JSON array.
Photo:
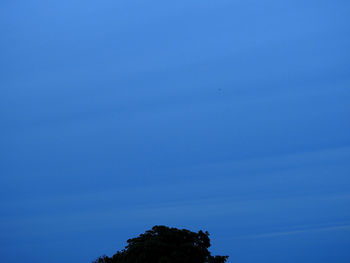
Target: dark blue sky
[{"x": 226, "y": 116}]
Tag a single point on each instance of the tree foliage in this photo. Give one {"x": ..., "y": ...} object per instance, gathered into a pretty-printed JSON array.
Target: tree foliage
[{"x": 162, "y": 244}]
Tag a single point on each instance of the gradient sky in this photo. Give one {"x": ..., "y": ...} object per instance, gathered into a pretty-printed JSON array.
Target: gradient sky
[{"x": 227, "y": 116}]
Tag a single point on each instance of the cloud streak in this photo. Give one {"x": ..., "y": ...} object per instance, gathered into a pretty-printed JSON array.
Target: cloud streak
[{"x": 345, "y": 227}]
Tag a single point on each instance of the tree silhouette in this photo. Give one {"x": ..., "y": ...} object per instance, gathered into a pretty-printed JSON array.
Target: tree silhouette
[{"x": 162, "y": 244}]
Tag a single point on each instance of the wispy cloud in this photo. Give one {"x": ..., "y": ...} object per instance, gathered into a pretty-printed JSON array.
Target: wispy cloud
[{"x": 345, "y": 227}]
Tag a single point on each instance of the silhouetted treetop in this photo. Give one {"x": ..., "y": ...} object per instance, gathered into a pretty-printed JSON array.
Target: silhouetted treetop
[{"x": 162, "y": 244}]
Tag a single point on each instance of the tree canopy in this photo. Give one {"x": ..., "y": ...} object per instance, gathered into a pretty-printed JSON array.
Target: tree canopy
[{"x": 162, "y": 244}]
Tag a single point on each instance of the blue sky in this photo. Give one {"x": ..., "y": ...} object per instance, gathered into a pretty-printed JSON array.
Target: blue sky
[{"x": 226, "y": 116}]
